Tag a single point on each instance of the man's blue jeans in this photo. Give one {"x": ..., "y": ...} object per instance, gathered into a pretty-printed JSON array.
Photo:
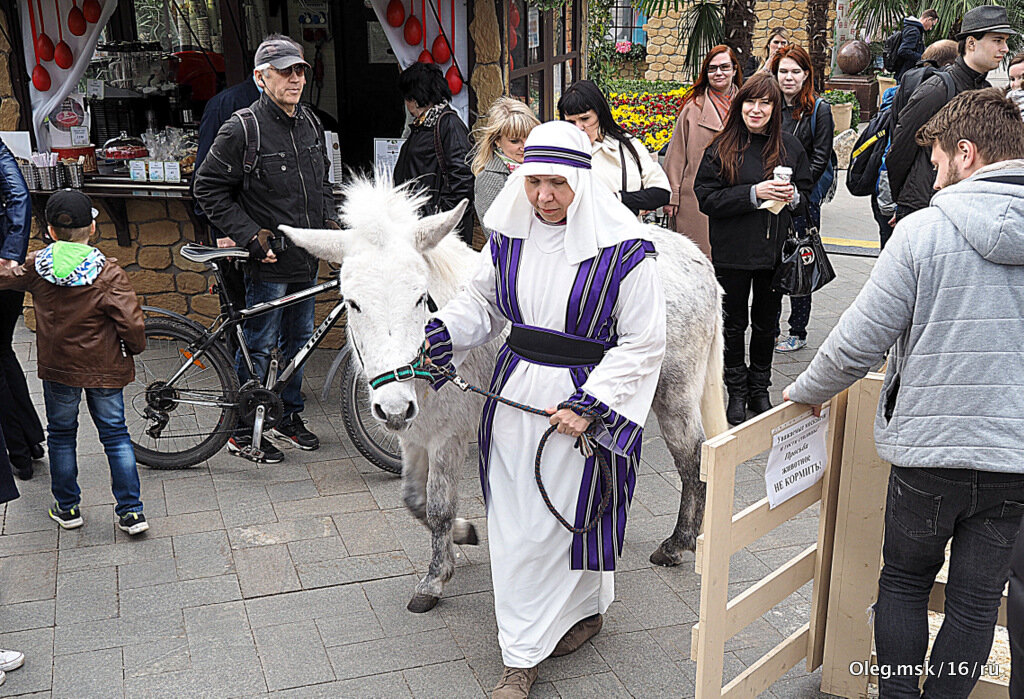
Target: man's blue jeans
[
  {"x": 981, "y": 512},
  {"x": 106, "y": 406},
  {"x": 289, "y": 327}
]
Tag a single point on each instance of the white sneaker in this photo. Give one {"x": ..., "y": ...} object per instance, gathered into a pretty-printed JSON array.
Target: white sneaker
[
  {"x": 11, "y": 660},
  {"x": 3, "y": 676}
]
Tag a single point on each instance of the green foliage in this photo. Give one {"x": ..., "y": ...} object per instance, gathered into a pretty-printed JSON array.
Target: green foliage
[
  {"x": 701, "y": 28},
  {"x": 600, "y": 47},
  {"x": 844, "y": 97},
  {"x": 651, "y": 86}
]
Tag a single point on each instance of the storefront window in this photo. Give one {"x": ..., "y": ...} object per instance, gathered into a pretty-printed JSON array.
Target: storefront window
[{"x": 543, "y": 52}]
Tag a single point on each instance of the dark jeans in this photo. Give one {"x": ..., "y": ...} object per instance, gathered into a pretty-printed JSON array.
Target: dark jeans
[
  {"x": 981, "y": 512},
  {"x": 884, "y": 229},
  {"x": 290, "y": 327},
  {"x": 17, "y": 413},
  {"x": 763, "y": 315},
  {"x": 106, "y": 406}
]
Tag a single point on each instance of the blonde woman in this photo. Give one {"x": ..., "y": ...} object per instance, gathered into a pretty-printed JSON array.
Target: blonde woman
[{"x": 499, "y": 149}]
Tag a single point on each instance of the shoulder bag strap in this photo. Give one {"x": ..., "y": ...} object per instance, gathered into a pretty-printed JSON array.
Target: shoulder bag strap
[
  {"x": 622, "y": 165},
  {"x": 251, "y": 127}
]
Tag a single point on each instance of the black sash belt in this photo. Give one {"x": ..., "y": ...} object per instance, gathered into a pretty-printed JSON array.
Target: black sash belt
[{"x": 546, "y": 347}]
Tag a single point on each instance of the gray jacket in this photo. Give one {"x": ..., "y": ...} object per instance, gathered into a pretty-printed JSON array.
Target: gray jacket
[
  {"x": 488, "y": 183},
  {"x": 948, "y": 291}
]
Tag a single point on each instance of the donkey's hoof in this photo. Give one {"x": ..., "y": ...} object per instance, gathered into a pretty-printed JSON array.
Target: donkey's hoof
[
  {"x": 469, "y": 537},
  {"x": 422, "y": 603},
  {"x": 660, "y": 558}
]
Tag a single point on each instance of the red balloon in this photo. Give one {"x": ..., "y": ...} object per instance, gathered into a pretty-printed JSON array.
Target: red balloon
[
  {"x": 425, "y": 57},
  {"x": 44, "y": 47},
  {"x": 439, "y": 50},
  {"x": 396, "y": 13},
  {"x": 40, "y": 78},
  {"x": 76, "y": 21},
  {"x": 62, "y": 56},
  {"x": 454, "y": 79},
  {"x": 413, "y": 30},
  {"x": 92, "y": 9}
]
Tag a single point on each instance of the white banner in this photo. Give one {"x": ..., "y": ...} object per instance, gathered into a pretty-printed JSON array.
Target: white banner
[{"x": 54, "y": 18}]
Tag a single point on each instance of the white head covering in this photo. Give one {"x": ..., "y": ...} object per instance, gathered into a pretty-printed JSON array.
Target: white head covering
[{"x": 596, "y": 218}]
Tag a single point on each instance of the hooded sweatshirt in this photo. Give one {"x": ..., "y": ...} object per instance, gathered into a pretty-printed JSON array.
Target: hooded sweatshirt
[{"x": 947, "y": 294}]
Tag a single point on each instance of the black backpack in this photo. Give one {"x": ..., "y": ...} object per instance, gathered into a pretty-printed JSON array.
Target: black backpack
[{"x": 890, "y": 49}]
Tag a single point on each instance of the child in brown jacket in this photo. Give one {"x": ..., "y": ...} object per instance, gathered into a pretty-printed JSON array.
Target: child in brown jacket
[{"x": 88, "y": 326}]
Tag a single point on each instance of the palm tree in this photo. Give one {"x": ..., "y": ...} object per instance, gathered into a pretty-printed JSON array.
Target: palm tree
[
  {"x": 880, "y": 17},
  {"x": 709, "y": 23}
]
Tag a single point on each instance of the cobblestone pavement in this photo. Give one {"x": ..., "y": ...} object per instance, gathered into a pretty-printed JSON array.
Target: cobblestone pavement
[{"x": 292, "y": 579}]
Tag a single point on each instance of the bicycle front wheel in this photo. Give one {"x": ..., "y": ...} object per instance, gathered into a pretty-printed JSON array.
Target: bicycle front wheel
[
  {"x": 180, "y": 424},
  {"x": 380, "y": 447}
]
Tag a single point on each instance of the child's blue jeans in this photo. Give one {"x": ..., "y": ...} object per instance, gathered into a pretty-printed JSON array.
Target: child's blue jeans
[{"x": 106, "y": 406}]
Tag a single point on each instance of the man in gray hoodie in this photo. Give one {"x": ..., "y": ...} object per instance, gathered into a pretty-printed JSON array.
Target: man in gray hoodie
[{"x": 947, "y": 296}]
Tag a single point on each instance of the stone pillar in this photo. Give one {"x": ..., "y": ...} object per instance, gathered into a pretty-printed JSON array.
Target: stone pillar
[{"x": 10, "y": 110}]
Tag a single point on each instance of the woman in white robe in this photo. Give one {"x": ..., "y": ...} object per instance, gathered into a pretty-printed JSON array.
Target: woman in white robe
[{"x": 573, "y": 271}]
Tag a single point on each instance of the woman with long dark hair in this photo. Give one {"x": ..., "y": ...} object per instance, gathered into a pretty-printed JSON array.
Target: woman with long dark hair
[
  {"x": 778, "y": 39},
  {"x": 704, "y": 111},
  {"x": 809, "y": 119},
  {"x": 618, "y": 158},
  {"x": 737, "y": 189}
]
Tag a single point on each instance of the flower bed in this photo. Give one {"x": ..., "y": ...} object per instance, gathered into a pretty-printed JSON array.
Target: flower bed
[{"x": 649, "y": 114}]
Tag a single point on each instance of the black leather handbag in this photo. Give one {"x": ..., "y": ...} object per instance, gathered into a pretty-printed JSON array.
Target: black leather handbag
[{"x": 805, "y": 267}]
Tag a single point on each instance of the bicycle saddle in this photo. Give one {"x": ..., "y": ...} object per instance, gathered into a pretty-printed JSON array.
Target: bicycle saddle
[{"x": 204, "y": 253}]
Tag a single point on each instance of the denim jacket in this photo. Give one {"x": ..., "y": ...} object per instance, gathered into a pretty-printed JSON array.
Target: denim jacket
[{"x": 17, "y": 208}]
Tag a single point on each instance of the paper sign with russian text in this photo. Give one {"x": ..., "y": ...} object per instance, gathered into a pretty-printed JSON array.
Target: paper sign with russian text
[{"x": 798, "y": 457}]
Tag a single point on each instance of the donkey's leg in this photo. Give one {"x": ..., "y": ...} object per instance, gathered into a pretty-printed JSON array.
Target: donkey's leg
[
  {"x": 681, "y": 428},
  {"x": 415, "y": 465},
  {"x": 442, "y": 503}
]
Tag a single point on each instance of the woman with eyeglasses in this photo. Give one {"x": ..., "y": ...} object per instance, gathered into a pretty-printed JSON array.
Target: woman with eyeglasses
[
  {"x": 436, "y": 153},
  {"x": 778, "y": 39},
  {"x": 809, "y": 118},
  {"x": 736, "y": 186},
  {"x": 704, "y": 111},
  {"x": 619, "y": 159}
]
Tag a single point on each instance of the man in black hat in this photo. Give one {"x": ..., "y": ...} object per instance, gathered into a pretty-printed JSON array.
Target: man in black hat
[
  {"x": 268, "y": 166},
  {"x": 982, "y": 46}
]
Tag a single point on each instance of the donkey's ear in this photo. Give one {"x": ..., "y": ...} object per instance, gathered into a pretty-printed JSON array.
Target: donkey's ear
[
  {"x": 327, "y": 244},
  {"x": 432, "y": 229}
]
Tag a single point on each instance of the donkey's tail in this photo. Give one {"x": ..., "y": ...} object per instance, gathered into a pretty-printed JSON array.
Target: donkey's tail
[{"x": 712, "y": 399}]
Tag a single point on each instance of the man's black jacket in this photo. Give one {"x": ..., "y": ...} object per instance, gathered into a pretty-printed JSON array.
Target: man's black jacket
[
  {"x": 911, "y": 175},
  {"x": 420, "y": 157},
  {"x": 288, "y": 185},
  {"x": 911, "y": 46}
]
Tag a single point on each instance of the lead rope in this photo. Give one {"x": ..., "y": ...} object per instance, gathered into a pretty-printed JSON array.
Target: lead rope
[{"x": 586, "y": 443}]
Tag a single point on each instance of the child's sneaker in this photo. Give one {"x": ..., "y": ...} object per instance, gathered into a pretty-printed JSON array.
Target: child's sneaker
[
  {"x": 67, "y": 519},
  {"x": 133, "y": 523},
  {"x": 239, "y": 445}
]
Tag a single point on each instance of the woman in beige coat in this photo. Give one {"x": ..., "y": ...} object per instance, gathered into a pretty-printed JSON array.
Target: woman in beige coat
[{"x": 700, "y": 119}]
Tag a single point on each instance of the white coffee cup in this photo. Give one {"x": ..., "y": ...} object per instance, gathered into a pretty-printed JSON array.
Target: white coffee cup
[{"x": 783, "y": 174}]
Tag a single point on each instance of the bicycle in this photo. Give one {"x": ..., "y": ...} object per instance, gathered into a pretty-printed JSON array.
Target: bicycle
[{"x": 186, "y": 401}]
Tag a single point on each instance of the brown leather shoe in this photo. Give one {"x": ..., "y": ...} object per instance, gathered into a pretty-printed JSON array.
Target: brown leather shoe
[
  {"x": 580, "y": 633},
  {"x": 515, "y": 683}
]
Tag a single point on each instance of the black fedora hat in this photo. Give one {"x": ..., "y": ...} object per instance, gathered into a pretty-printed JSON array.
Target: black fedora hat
[{"x": 984, "y": 19}]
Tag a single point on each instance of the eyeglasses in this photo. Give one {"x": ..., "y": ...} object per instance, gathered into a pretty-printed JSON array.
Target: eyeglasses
[
  {"x": 297, "y": 69},
  {"x": 724, "y": 68}
]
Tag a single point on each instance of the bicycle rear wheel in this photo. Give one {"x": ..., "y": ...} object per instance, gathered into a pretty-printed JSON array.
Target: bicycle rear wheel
[
  {"x": 179, "y": 426},
  {"x": 380, "y": 447}
]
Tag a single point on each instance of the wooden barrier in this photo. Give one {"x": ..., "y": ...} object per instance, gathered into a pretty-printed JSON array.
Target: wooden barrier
[{"x": 725, "y": 533}]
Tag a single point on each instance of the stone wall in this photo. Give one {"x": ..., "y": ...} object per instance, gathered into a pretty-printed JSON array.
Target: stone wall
[
  {"x": 666, "y": 50},
  {"x": 9, "y": 110},
  {"x": 160, "y": 275}
]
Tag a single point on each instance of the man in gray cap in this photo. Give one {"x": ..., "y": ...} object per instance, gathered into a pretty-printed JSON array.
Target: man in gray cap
[
  {"x": 982, "y": 45},
  {"x": 268, "y": 166}
]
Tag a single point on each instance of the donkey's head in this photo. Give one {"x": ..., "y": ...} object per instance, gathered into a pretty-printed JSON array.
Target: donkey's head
[{"x": 385, "y": 281}]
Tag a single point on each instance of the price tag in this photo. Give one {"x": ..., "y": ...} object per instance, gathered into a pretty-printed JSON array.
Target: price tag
[
  {"x": 79, "y": 136},
  {"x": 94, "y": 88},
  {"x": 137, "y": 170},
  {"x": 172, "y": 172},
  {"x": 156, "y": 171}
]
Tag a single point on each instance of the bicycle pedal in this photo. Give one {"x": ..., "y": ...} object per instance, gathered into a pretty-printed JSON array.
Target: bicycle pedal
[{"x": 252, "y": 453}]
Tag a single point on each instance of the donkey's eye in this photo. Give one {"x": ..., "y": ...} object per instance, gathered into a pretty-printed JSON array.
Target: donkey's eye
[{"x": 353, "y": 306}]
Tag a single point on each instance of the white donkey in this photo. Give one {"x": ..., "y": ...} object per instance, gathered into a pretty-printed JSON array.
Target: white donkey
[{"x": 396, "y": 263}]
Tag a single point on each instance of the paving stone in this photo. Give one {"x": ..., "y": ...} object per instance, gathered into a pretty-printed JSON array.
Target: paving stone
[
  {"x": 329, "y": 505},
  {"x": 93, "y": 674},
  {"x": 641, "y": 665},
  {"x": 98, "y": 528},
  {"x": 389, "y": 598},
  {"x": 315, "y": 550},
  {"x": 618, "y": 619},
  {"x": 453, "y": 680},
  {"x": 585, "y": 661},
  {"x": 468, "y": 579},
  {"x": 179, "y": 595},
  {"x": 221, "y": 646},
  {"x": 336, "y": 477},
  {"x": 36, "y": 675},
  {"x": 395, "y": 653},
  {"x": 470, "y": 618},
  {"x": 389, "y": 684},
  {"x": 27, "y": 615},
  {"x": 156, "y": 656},
  {"x": 292, "y": 490},
  {"x": 349, "y": 628},
  {"x": 651, "y": 600},
  {"x": 133, "y": 575},
  {"x": 202, "y": 555},
  {"x": 86, "y": 595},
  {"x": 280, "y": 647},
  {"x": 87, "y": 636},
  {"x": 188, "y": 523},
  {"x": 353, "y": 569},
  {"x": 271, "y": 533},
  {"x": 136, "y": 551},
  {"x": 190, "y": 495},
  {"x": 366, "y": 532},
  {"x": 28, "y": 577},
  {"x": 323, "y": 603},
  {"x": 605, "y": 684},
  {"x": 265, "y": 570},
  {"x": 29, "y": 542}
]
